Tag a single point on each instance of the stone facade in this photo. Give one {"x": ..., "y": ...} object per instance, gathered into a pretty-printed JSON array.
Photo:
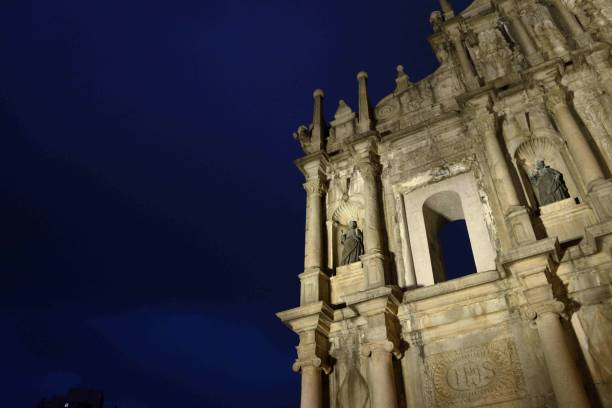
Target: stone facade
[{"x": 519, "y": 81}]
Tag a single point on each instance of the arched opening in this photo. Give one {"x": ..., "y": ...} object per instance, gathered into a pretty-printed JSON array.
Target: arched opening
[{"x": 448, "y": 239}]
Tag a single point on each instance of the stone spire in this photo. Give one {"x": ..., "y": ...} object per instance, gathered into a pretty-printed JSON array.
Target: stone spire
[
  {"x": 447, "y": 9},
  {"x": 365, "y": 121},
  {"x": 319, "y": 129}
]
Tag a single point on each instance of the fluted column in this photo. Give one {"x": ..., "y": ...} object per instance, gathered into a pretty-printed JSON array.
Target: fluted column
[
  {"x": 589, "y": 169},
  {"x": 381, "y": 375},
  {"x": 365, "y": 121},
  {"x": 564, "y": 375},
  {"x": 464, "y": 60}
]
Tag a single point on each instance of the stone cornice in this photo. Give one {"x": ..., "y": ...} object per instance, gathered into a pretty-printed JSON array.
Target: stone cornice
[
  {"x": 548, "y": 246},
  {"x": 314, "y": 316},
  {"x": 319, "y": 158}
]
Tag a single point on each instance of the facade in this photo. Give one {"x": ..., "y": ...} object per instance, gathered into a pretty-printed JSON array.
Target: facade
[{"x": 513, "y": 134}]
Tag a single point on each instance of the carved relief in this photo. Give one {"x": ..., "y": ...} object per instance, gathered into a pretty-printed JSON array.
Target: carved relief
[
  {"x": 475, "y": 376},
  {"x": 492, "y": 55}
]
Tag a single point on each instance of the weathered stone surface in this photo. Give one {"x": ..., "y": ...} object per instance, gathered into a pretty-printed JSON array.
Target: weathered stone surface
[{"x": 519, "y": 81}]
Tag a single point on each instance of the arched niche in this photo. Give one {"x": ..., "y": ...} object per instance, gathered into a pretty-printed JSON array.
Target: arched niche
[
  {"x": 553, "y": 155},
  {"x": 345, "y": 212},
  {"x": 429, "y": 207}
]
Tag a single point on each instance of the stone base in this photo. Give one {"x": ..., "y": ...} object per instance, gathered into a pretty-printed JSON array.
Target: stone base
[
  {"x": 314, "y": 286},
  {"x": 565, "y": 219},
  {"x": 349, "y": 279}
]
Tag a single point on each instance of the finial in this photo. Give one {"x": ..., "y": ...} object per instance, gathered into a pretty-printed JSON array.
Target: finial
[
  {"x": 402, "y": 81},
  {"x": 318, "y": 133},
  {"x": 365, "y": 121}
]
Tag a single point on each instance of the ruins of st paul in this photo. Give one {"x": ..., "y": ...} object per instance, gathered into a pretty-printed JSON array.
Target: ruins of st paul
[{"x": 512, "y": 134}]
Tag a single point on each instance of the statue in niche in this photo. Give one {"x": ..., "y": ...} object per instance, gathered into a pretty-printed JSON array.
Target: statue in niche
[
  {"x": 352, "y": 243},
  {"x": 548, "y": 184}
]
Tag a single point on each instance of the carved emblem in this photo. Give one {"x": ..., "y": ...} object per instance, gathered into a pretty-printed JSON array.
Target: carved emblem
[{"x": 475, "y": 376}]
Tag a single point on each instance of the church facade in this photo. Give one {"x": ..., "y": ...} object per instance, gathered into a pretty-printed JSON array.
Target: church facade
[{"x": 512, "y": 134}]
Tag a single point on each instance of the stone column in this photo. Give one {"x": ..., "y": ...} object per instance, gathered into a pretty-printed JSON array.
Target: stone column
[
  {"x": 583, "y": 85},
  {"x": 315, "y": 189},
  {"x": 464, "y": 60},
  {"x": 573, "y": 26},
  {"x": 381, "y": 375},
  {"x": 524, "y": 39},
  {"x": 497, "y": 162},
  {"x": 365, "y": 121},
  {"x": 564, "y": 375},
  {"x": 312, "y": 389},
  {"x": 578, "y": 146},
  {"x": 314, "y": 280},
  {"x": 373, "y": 259},
  {"x": 516, "y": 215}
]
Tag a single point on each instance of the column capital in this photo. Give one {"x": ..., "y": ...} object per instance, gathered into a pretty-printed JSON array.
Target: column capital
[
  {"x": 555, "y": 98},
  {"x": 536, "y": 311},
  {"x": 315, "y": 186},
  {"x": 386, "y": 346},
  {"x": 369, "y": 170},
  {"x": 315, "y": 362}
]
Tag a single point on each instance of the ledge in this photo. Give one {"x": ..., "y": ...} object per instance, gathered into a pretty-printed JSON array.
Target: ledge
[{"x": 455, "y": 285}]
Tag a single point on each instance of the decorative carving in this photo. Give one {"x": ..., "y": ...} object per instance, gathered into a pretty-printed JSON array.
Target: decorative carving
[
  {"x": 353, "y": 392},
  {"x": 302, "y": 135},
  {"x": 493, "y": 57},
  {"x": 479, "y": 375},
  {"x": 346, "y": 212},
  {"x": 436, "y": 20},
  {"x": 387, "y": 110},
  {"x": 315, "y": 186}
]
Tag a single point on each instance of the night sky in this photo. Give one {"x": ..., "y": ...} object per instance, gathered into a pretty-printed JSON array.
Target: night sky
[{"x": 151, "y": 219}]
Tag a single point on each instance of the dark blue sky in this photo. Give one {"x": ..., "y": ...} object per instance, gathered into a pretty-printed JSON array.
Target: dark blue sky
[{"x": 151, "y": 220}]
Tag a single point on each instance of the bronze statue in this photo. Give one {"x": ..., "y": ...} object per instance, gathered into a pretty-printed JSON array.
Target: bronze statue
[
  {"x": 352, "y": 242},
  {"x": 548, "y": 184}
]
